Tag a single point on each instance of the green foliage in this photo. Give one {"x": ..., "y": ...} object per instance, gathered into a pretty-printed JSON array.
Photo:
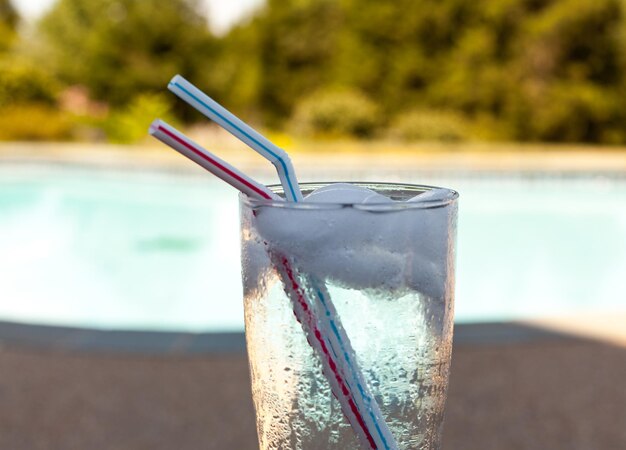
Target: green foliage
[
  {"x": 574, "y": 113},
  {"x": 336, "y": 112},
  {"x": 8, "y": 24},
  {"x": 8, "y": 15},
  {"x": 235, "y": 74},
  {"x": 130, "y": 124},
  {"x": 531, "y": 69},
  {"x": 296, "y": 45},
  {"x": 24, "y": 82},
  {"x": 547, "y": 70},
  {"x": 430, "y": 125},
  {"x": 120, "y": 48},
  {"x": 34, "y": 123}
]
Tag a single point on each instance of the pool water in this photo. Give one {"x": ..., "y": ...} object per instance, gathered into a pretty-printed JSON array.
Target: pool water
[{"x": 160, "y": 251}]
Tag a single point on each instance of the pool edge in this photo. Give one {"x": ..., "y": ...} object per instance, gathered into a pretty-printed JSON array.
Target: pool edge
[{"x": 154, "y": 343}]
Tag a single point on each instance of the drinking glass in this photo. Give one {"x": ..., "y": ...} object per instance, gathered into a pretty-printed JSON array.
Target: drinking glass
[{"x": 388, "y": 268}]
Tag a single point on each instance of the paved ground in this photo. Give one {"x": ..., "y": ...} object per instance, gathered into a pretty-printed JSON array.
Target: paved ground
[{"x": 540, "y": 394}]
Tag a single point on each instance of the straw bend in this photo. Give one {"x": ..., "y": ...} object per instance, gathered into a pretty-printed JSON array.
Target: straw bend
[{"x": 237, "y": 127}]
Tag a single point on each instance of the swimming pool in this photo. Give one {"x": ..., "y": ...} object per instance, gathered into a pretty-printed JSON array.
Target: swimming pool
[{"x": 160, "y": 251}]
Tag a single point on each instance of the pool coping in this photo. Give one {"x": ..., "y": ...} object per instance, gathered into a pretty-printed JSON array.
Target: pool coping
[
  {"x": 133, "y": 342},
  {"x": 427, "y": 157}
]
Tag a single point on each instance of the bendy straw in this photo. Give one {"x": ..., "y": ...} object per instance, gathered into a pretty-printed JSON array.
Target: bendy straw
[
  {"x": 355, "y": 380},
  {"x": 244, "y": 132},
  {"x": 363, "y": 412},
  {"x": 218, "y": 167},
  {"x": 352, "y": 405}
]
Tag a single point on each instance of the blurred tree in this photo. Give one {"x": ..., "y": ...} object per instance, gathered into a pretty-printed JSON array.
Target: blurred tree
[
  {"x": 336, "y": 113},
  {"x": 129, "y": 124},
  {"x": 533, "y": 69},
  {"x": 296, "y": 43},
  {"x": 8, "y": 24},
  {"x": 429, "y": 125},
  {"x": 120, "y": 48},
  {"x": 236, "y": 73},
  {"x": 395, "y": 50},
  {"x": 435, "y": 69},
  {"x": 21, "y": 81},
  {"x": 570, "y": 72}
]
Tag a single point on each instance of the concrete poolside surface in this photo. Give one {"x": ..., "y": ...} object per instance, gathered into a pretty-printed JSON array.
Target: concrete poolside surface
[
  {"x": 377, "y": 157},
  {"x": 512, "y": 387}
]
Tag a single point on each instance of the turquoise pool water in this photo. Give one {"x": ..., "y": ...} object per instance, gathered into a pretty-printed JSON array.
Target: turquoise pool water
[{"x": 85, "y": 247}]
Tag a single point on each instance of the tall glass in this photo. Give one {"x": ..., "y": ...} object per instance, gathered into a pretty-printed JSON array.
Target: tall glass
[{"x": 389, "y": 270}]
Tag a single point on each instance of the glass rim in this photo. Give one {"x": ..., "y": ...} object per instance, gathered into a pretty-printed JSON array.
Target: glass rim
[{"x": 376, "y": 206}]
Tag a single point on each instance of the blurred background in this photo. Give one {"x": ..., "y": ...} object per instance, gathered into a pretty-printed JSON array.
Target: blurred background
[
  {"x": 498, "y": 70},
  {"x": 121, "y": 322}
]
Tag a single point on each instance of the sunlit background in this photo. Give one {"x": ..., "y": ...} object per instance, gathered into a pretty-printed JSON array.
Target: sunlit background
[
  {"x": 435, "y": 93},
  {"x": 517, "y": 104}
]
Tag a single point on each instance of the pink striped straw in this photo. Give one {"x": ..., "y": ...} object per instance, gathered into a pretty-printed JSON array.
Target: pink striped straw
[
  {"x": 303, "y": 310},
  {"x": 218, "y": 167}
]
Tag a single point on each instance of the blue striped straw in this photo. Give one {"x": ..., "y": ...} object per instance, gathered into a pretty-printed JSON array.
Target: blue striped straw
[
  {"x": 341, "y": 346},
  {"x": 241, "y": 130}
]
